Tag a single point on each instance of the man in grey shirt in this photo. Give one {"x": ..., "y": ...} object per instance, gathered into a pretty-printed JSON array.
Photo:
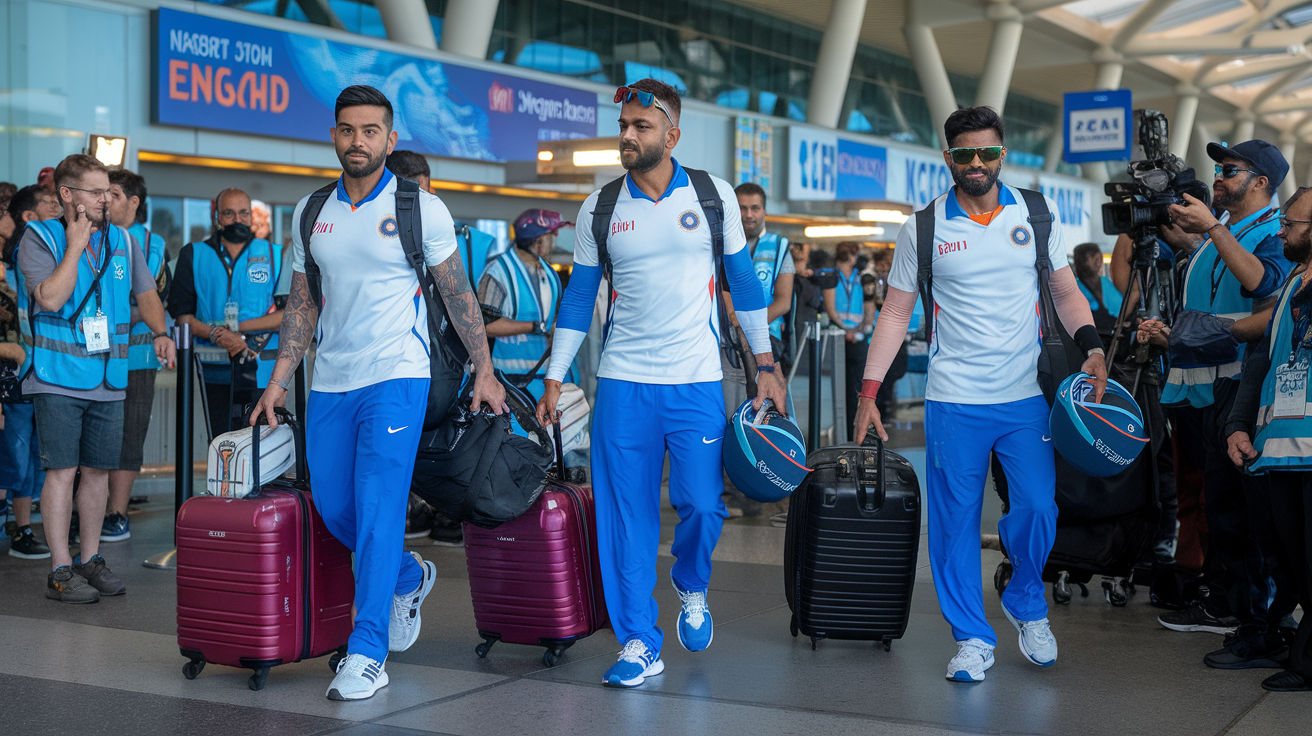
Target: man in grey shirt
[{"x": 75, "y": 279}]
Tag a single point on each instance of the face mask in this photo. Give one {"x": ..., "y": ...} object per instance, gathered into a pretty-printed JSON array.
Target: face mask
[{"x": 237, "y": 232}]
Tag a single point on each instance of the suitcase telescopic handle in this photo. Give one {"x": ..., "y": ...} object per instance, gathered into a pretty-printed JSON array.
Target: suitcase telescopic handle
[
  {"x": 560, "y": 451},
  {"x": 262, "y": 420},
  {"x": 872, "y": 440}
]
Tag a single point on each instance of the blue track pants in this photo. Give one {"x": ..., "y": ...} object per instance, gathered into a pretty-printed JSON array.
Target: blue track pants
[
  {"x": 361, "y": 448},
  {"x": 633, "y": 426},
  {"x": 959, "y": 438}
]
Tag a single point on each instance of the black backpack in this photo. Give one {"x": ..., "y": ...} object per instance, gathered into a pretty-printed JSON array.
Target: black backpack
[
  {"x": 708, "y": 197},
  {"x": 447, "y": 354},
  {"x": 1059, "y": 356}
]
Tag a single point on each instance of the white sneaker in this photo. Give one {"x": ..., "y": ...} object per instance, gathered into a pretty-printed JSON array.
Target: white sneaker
[
  {"x": 1036, "y": 640},
  {"x": 973, "y": 657},
  {"x": 358, "y": 678},
  {"x": 403, "y": 629}
]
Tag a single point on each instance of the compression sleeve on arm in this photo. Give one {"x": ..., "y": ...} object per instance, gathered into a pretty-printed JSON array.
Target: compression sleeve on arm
[
  {"x": 749, "y": 302},
  {"x": 573, "y": 319},
  {"x": 890, "y": 331},
  {"x": 1072, "y": 306}
]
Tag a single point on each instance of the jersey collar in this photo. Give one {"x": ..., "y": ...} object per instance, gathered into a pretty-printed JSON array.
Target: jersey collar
[
  {"x": 383, "y": 181},
  {"x": 680, "y": 179},
  {"x": 952, "y": 208}
]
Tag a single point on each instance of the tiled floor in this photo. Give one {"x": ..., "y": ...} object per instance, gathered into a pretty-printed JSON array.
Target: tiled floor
[{"x": 114, "y": 668}]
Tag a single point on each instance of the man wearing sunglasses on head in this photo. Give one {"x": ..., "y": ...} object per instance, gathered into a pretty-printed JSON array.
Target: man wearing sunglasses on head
[
  {"x": 1235, "y": 274},
  {"x": 658, "y": 386}
]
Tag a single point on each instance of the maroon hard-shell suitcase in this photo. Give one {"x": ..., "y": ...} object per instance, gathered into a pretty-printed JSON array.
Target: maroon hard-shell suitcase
[
  {"x": 535, "y": 580},
  {"x": 261, "y": 581}
]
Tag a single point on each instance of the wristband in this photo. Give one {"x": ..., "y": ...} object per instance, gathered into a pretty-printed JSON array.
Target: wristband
[
  {"x": 1087, "y": 339},
  {"x": 283, "y": 383},
  {"x": 869, "y": 389},
  {"x": 765, "y": 369}
]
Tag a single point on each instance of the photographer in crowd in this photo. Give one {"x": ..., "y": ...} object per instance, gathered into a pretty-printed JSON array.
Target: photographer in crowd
[
  {"x": 1272, "y": 399},
  {"x": 1239, "y": 266},
  {"x": 76, "y": 278}
]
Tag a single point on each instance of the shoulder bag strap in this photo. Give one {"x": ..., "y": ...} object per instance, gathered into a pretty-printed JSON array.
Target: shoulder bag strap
[
  {"x": 925, "y": 265},
  {"x": 310, "y": 216},
  {"x": 1040, "y": 219}
]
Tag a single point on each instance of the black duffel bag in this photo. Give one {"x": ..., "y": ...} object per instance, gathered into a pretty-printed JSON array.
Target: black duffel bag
[{"x": 474, "y": 468}]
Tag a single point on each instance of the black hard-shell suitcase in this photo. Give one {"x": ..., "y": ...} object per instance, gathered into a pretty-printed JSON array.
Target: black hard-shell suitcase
[{"x": 851, "y": 545}]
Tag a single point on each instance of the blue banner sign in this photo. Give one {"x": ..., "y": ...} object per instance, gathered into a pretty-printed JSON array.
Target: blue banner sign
[
  {"x": 862, "y": 171},
  {"x": 215, "y": 74},
  {"x": 1097, "y": 125}
]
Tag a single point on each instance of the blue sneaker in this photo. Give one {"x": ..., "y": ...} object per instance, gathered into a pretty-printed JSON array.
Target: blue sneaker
[
  {"x": 636, "y": 664},
  {"x": 1036, "y": 640},
  {"x": 115, "y": 528},
  {"x": 696, "y": 629}
]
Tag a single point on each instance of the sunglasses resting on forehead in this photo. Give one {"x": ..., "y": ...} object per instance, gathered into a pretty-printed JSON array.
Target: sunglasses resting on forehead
[
  {"x": 965, "y": 155},
  {"x": 646, "y": 99}
]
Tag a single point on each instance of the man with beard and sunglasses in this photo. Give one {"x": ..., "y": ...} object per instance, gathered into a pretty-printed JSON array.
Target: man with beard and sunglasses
[
  {"x": 224, "y": 288},
  {"x": 1269, "y": 429},
  {"x": 77, "y": 276},
  {"x": 1234, "y": 274},
  {"x": 983, "y": 392},
  {"x": 658, "y": 386},
  {"x": 372, "y": 373}
]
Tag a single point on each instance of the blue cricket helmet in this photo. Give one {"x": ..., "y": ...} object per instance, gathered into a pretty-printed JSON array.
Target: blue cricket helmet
[
  {"x": 765, "y": 461},
  {"x": 1100, "y": 440}
]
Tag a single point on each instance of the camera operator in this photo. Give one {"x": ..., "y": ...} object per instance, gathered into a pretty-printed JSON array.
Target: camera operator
[
  {"x": 1272, "y": 395},
  {"x": 1239, "y": 266}
]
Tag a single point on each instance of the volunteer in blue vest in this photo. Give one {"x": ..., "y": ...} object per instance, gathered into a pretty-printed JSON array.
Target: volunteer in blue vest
[
  {"x": 76, "y": 279},
  {"x": 1235, "y": 274},
  {"x": 847, "y": 308},
  {"x": 658, "y": 386},
  {"x": 1103, "y": 296},
  {"x": 1270, "y": 431},
  {"x": 523, "y": 288},
  {"x": 127, "y": 209},
  {"x": 371, "y": 376},
  {"x": 224, "y": 287},
  {"x": 983, "y": 392}
]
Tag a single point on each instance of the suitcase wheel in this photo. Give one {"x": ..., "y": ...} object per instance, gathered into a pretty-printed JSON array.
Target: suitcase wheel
[
  {"x": 1002, "y": 576},
  {"x": 336, "y": 659},
  {"x": 792, "y": 626},
  {"x": 191, "y": 669},
  {"x": 815, "y": 642},
  {"x": 257, "y": 680},
  {"x": 1114, "y": 590},
  {"x": 888, "y": 643},
  {"x": 552, "y": 656},
  {"x": 1061, "y": 589},
  {"x": 482, "y": 649}
]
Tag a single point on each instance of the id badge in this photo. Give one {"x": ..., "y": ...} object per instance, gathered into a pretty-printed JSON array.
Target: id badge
[
  {"x": 1291, "y": 390},
  {"x": 96, "y": 331},
  {"x": 230, "y": 312}
]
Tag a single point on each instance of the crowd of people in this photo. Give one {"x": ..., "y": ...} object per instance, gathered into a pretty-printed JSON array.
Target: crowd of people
[{"x": 87, "y": 291}]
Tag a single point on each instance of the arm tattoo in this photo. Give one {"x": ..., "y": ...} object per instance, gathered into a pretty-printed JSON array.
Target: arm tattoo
[
  {"x": 462, "y": 309},
  {"x": 298, "y": 321}
]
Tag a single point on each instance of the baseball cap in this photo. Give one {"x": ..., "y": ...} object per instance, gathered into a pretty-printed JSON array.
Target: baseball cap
[
  {"x": 1265, "y": 158},
  {"x": 533, "y": 224}
]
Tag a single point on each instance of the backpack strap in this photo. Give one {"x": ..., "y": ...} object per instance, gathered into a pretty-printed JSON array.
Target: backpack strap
[
  {"x": 310, "y": 216},
  {"x": 925, "y": 263},
  {"x": 463, "y": 232},
  {"x": 601, "y": 215},
  {"x": 708, "y": 197},
  {"x": 410, "y": 228}
]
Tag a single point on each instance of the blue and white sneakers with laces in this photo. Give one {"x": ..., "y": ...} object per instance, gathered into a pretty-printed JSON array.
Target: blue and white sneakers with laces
[
  {"x": 636, "y": 664},
  {"x": 403, "y": 627},
  {"x": 696, "y": 629},
  {"x": 1036, "y": 640},
  {"x": 358, "y": 677},
  {"x": 973, "y": 657}
]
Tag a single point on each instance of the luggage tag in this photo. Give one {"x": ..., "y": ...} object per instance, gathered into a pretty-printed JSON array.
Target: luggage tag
[
  {"x": 96, "y": 332},
  {"x": 230, "y": 316},
  {"x": 1291, "y": 390}
]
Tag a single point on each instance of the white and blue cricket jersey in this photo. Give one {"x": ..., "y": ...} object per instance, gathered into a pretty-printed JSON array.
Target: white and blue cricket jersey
[
  {"x": 373, "y": 325},
  {"x": 664, "y": 326},
  {"x": 984, "y": 347}
]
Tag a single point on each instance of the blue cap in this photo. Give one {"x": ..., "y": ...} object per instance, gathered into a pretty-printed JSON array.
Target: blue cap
[{"x": 1263, "y": 157}]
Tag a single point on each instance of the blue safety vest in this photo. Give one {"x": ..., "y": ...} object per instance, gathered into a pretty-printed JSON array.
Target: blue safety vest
[
  {"x": 768, "y": 260},
  {"x": 249, "y": 281},
  {"x": 141, "y": 341},
  {"x": 1110, "y": 296},
  {"x": 1210, "y": 287},
  {"x": 517, "y": 354},
  {"x": 849, "y": 299},
  {"x": 1286, "y": 443},
  {"x": 55, "y": 344}
]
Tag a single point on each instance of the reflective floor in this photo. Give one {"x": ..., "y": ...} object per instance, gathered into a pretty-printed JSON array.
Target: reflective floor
[{"x": 114, "y": 667}]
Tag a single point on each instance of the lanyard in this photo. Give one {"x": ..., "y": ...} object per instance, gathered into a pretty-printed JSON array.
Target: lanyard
[
  {"x": 848, "y": 286},
  {"x": 95, "y": 285}
]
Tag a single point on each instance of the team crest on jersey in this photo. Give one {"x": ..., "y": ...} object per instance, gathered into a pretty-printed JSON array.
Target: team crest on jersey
[
  {"x": 388, "y": 228},
  {"x": 689, "y": 220},
  {"x": 1020, "y": 236}
]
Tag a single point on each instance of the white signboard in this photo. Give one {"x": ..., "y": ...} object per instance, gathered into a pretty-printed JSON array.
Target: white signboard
[{"x": 812, "y": 164}]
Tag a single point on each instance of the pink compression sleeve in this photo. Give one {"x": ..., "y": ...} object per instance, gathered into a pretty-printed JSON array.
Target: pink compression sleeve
[
  {"x": 1072, "y": 307},
  {"x": 890, "y": 331}
]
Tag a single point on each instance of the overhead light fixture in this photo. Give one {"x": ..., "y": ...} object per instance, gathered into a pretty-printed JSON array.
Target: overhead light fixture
[
  {"x": 893, "y": 216},
  {"x": 545, "y": 155},
  {"x": 597, "y": 158},
  {"x": 841, "y": 231},
  {"x": 107, "y": 149}
]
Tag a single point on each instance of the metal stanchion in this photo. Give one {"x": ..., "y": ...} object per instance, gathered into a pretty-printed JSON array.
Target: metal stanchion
[
  {"x": 838, "y": 376},
  {"x": 183, "y": 436},
  {"x": 815, "y": 335}
]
